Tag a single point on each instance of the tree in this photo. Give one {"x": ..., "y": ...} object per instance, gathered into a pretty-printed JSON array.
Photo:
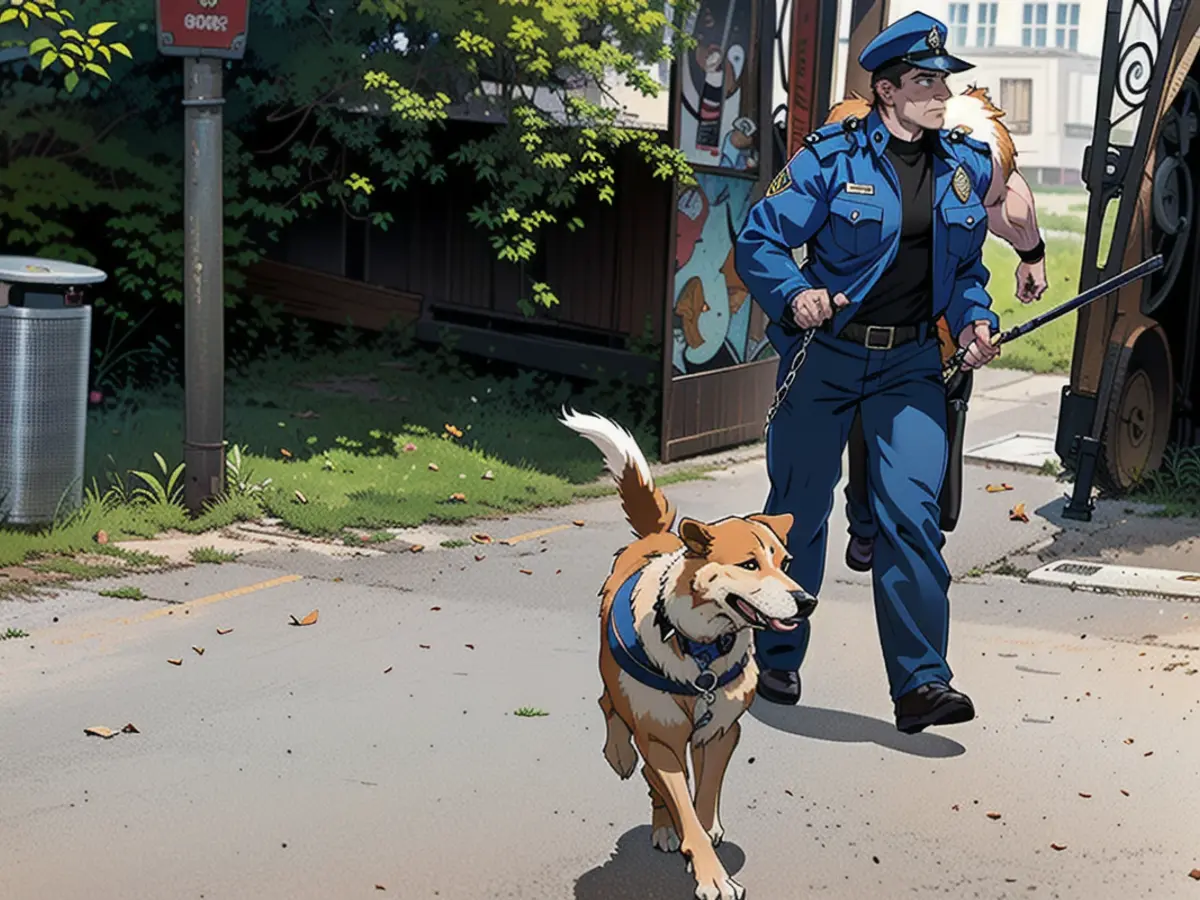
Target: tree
[
  {"x": 53, "y": 40},
  {"x": 335, "y": 103}
]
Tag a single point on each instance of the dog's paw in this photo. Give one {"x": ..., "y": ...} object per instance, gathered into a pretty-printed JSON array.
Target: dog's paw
[
  {"x": 717, "y": 834},
  {"x": 621, "y": 756},
  {"x": 722, "y": 888},
  {"x": 665, "y": 839}
]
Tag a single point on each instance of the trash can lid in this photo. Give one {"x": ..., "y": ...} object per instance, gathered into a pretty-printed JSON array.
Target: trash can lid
[{"x": 34, "y": 270}]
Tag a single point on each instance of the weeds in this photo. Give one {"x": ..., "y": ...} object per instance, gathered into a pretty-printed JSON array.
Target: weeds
[
  {"x": 211, "y": 555},
  {"x": 1175, "y": 485},
  {"x": 12, "y": 634},
  {"x": 127, "y": 592},
  {"x": 530, "y": 712}
]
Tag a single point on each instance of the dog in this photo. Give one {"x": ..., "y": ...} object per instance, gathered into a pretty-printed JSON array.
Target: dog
[{"x": 677, "y": 614}]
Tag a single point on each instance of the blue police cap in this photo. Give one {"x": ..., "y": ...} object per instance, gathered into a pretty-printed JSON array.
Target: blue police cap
[{"x": 918, "y": 40}]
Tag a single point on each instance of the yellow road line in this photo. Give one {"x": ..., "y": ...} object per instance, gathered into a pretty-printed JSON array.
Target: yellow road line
[
  {"x": 213, "y": 598},
  {"x": 530, "y": 535}
]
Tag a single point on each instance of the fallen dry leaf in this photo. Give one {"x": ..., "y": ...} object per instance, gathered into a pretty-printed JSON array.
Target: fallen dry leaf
[
  {"x": 388, "y": 669},
  {"x": 458, "y": 498},
  {"x": 558, "y": 571},
  {"x": 578, "y": 523},
  {"x": 100, "y": 731},
  {"x": 998, "y": 488},
  {"x": 435, "y": 609},
  {"x": 175, "y": 662},
  {"x": 131, "y": 729},
  {"x": 380, "y": 887},
  {"x": 993, "y": 815},
  {"x": 101, "y": 537},
  {"x": 1148, "y": 753},
  {"x": 479, "y": 557},
  {"x": 416, "y": 548},
  {"x": 1125, "y": 792},
  {"x": 301, "y": 497},
  {"x": 469, "y": 646},
  {"x": 480, "y": 538},
  {"x": 285, "y": 452},
  {"x": 224, "y": 630},
  {"x": 1189, "y": 578},
  {"x": 1129, "y": 740},
  {"x": 526, "y": 571},
  {"x": 433, "y": 467},
  {"x": 1018, "y": 514},
  {"x": 423, "y": 646},
  {"x": 410, "y": 447},
  {"x": 457, "y": 432},
  {"x": 198, "y": 650},
  {"x": 310, "y": 619},
  {"x": 488, "y": 476},
  {"x": 1058, "y": 846},
  {"x": 1085, "y": 796},
  {"x": 1195, "y": 873}
]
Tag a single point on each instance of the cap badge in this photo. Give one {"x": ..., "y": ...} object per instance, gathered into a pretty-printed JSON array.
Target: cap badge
[{"x": 934, "y": 39}]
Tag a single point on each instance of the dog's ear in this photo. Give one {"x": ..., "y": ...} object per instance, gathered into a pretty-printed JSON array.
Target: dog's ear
[
  {"x": 780, "y": 525},
  {"x": 695, "y": 536}
]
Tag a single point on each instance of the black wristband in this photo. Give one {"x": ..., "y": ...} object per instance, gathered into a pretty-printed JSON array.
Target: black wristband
[{"x": 1036, "y": 255}]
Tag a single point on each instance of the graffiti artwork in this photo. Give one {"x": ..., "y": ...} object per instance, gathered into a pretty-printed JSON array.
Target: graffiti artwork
[
  {"x": 719, "y": 115},
  {"x": 715, "y": 323}
]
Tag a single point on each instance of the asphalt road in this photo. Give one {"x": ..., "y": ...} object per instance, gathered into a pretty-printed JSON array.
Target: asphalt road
[{"x": 379, "y": 745}]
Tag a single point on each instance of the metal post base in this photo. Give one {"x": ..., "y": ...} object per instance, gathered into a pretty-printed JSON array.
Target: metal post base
[{"x": 1081, "y": 505}]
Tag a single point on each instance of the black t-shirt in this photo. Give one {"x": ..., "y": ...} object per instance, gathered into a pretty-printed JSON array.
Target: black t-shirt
[{"x": 904, "y": 293}]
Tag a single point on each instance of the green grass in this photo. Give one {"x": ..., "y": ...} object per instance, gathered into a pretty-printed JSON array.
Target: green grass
[
  {"x": 455, "y": 543},
  {"x": 211, "y": 555},
  {"x": 1175, "y": 486},
  {"x": 12, "y": 634},
  {"x": 124, "y": 593},
  {"x": 530, "y": 712}
]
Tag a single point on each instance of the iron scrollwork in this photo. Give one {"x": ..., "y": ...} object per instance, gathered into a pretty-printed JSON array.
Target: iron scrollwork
[{"x": 1173, "y": 195}]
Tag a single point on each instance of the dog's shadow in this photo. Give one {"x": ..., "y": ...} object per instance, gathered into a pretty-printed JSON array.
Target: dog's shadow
[
  {"x": 636, "y": 871},
  {"x": 850, "y": 728}
]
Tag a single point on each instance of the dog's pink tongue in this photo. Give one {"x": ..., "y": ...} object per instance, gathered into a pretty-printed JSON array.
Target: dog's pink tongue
[{"x": 780, "y": 625}]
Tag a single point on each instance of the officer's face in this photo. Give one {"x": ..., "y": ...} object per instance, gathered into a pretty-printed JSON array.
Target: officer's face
[{"x": 921, "y": 98}]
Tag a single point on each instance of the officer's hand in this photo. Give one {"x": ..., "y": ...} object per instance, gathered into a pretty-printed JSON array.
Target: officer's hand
[
  {"x": 812, "y": 307},
  {"x": 1031, "y": 280},
  {"x": 977, "y": 338}
]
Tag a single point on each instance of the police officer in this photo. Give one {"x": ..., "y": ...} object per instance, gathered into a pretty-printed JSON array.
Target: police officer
[{"x": 891, "y": 211}]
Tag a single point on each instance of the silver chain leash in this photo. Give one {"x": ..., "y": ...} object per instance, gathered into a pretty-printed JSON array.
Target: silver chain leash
[{"x": 782, "y": 392}]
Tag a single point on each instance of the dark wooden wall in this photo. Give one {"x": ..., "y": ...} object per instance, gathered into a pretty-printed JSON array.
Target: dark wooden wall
[{"x": 610, "y": 276}]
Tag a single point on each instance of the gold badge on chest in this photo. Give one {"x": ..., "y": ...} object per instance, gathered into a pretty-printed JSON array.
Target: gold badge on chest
[{"x": 961, "y": 182}]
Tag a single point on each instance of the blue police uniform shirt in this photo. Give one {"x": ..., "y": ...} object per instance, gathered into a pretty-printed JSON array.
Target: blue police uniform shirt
[{"x": 839, "y": 196}]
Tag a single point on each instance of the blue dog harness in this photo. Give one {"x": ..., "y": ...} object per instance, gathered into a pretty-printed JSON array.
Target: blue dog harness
[{"x": 627, "y": 649}]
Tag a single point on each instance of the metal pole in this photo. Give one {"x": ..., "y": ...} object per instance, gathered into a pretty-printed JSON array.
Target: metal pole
[{"x": 204, "y": 284}]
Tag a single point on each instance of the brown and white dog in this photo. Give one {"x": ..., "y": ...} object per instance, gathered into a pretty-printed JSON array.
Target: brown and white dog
[{"x": 676, "y": 620}]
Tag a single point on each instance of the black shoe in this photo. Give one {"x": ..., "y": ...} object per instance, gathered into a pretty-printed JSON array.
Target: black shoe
[
  {"x": 779, "y": 686},
  {"x": 932, "y": 705},
  {"x": 860, "y": 554}
]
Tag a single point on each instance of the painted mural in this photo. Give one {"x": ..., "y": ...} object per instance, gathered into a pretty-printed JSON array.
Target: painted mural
[
  {"x": 716, "y": 324},
  {"x": 719, "y": 115}
]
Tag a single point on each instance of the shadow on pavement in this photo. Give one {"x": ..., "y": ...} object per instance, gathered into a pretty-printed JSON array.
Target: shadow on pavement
[
  {"x": 851, "y": 728},
  {"x": 636, "y": 871}
]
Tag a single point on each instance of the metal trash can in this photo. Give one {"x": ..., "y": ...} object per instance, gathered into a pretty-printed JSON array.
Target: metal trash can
[{"x": 45, "y": 349}]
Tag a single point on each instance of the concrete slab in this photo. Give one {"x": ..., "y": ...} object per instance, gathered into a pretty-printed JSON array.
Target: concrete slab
[
  {"x": 1129, "y": 579},
  {"x": 1025, "y": 449},
  {"x": 1032, "y": 387}
]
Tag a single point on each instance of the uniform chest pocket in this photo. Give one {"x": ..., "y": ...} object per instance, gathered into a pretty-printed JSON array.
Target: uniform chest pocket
[
  {"x": 966, "y": 228},
  {"x": 857, "y": 227}
]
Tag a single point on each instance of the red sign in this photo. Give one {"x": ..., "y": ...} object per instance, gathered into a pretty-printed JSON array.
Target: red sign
[
  {"x": 203, "y": 27},
  {"x": 803, "y": 73}
]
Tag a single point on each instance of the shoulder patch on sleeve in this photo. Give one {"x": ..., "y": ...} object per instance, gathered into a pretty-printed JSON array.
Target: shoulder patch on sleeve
[{"x": 781, "y": 182}]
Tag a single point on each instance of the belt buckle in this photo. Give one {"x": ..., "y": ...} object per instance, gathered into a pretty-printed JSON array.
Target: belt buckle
[{"x": 888, "y": 330}]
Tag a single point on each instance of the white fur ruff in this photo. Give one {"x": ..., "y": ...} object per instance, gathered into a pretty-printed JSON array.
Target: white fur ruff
[
  {"x": 965, "y": 111},
  {"x": 618, "y": 446}
]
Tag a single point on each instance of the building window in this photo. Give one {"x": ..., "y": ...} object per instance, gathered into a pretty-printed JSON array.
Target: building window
[
  {"x": 1034, "y": 19},
  {"x": 1066, "y": 31},
  {"x": 960, "y": 14},
  {"x": 1016, "y": 99},
  {"x": 985, "y": 27}
]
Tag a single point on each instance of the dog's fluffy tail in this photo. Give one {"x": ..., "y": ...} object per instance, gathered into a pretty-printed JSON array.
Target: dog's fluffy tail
[{"x": 646, "y": 507}]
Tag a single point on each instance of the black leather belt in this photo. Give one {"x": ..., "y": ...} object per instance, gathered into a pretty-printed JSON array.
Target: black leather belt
[{"x": 883, "y": 337}]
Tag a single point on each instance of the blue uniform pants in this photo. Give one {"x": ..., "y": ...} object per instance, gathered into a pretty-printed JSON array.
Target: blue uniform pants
[{"x": 903, "y": 405}]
